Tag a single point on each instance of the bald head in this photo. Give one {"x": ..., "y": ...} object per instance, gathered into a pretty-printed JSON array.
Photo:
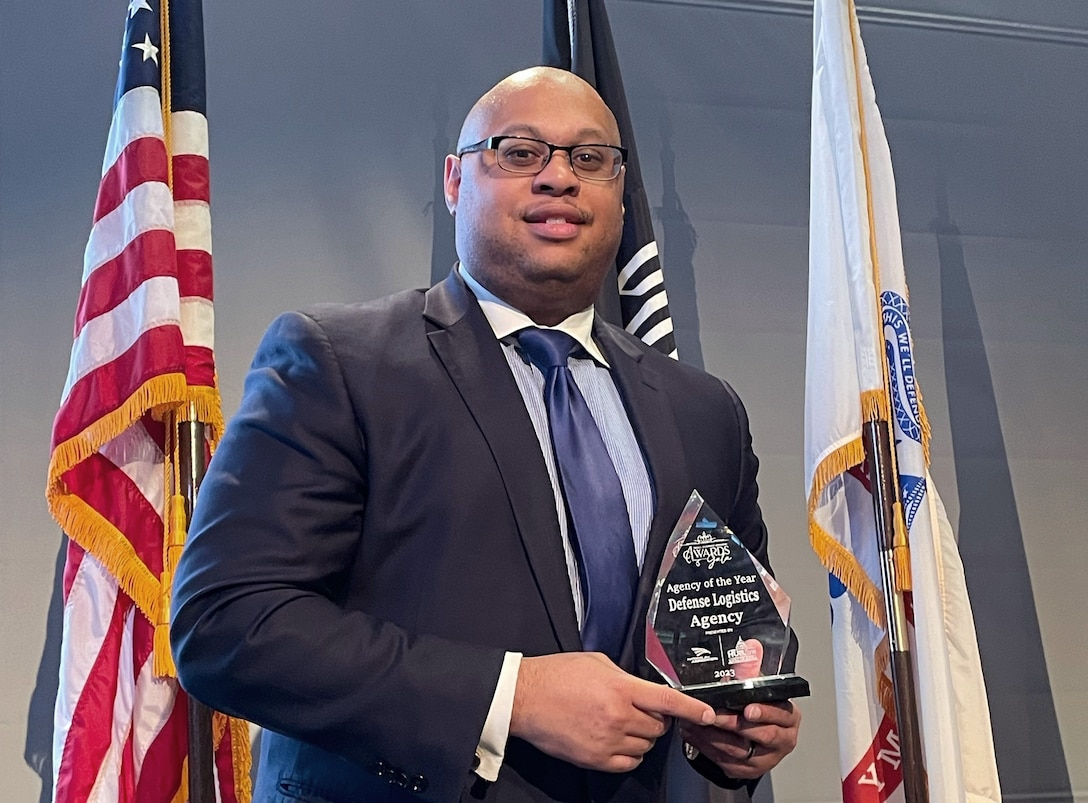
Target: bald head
[
  {"x": 559, "y": 86},
  {"x": 541, "y": 241}
]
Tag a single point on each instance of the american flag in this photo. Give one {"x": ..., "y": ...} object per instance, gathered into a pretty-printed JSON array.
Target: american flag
[
  {"x": 861, "y": 369},
  {"x": 142, "y": 347},
  {"x": 577, "y": 37}
]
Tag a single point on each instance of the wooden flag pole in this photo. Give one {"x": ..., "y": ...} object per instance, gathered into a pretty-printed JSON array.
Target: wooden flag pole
[
  {"x": 191, "y": 469},
  {"x": 894, "y": 561}
]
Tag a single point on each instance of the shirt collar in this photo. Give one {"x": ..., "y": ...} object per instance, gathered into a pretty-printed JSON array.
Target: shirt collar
[{"x": 505, "y": 320}]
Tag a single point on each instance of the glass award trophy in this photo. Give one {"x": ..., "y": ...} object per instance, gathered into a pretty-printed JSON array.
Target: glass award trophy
[{"x": 718, "y": 625}]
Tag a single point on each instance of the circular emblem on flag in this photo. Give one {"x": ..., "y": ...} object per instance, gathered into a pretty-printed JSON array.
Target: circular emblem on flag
[{"x": 895, "y": 316}]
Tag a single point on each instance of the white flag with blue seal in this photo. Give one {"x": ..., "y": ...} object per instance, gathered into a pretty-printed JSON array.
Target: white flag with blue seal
[{"x": 860, "y": 367}]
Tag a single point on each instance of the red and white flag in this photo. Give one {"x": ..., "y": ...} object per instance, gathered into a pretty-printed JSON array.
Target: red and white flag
[
  {"x": 142, "y": 347},
  {"x": 860, "y": 367}
]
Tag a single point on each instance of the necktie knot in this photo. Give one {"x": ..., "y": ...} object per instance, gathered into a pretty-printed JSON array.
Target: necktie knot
[{"x": 547, "y": 348}]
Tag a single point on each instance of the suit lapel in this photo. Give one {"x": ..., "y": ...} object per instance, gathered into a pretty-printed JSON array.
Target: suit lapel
[
  {"x": 473, "y": 358},
  {"x": 651, "y": 416}
]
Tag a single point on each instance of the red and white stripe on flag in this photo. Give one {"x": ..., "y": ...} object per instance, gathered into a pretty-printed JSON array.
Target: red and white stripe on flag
[
  {"x": 860, "y": 366},
  {"x": 142, "y": 345}
]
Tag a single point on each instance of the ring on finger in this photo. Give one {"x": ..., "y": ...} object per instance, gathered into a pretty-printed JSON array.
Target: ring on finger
[{"x": 751, "y": 751}]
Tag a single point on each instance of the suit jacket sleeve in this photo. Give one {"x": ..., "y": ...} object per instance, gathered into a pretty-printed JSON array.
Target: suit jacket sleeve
[{"x": 259, "y": 625}]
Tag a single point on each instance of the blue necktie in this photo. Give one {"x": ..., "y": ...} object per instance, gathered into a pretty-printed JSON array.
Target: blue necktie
[{"x": 594, "y": 496}]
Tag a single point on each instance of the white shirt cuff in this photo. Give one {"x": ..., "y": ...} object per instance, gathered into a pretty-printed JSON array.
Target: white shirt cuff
[{"x": 492, "y": 747}]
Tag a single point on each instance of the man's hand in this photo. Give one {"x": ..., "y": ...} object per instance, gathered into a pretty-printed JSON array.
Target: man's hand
[
  {"x": 749, "y": 743},
  {"x": 582, "y": 708}
]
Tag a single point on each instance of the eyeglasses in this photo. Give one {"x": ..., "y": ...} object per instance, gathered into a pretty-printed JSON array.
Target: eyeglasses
[{"x": 530, "y": 156}]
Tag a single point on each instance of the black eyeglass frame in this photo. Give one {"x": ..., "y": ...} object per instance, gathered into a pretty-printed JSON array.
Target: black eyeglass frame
[{"x": 492, "y": 143}]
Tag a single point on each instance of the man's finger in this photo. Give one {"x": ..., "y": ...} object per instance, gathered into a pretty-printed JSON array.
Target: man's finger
[
  {"x": 653, "y": 697},
  {"x": 634, "y": 746},
  {"x": 649, "y": 726},
  {"x": 730, "y": 744},
  {"x": 782, "y": 714},
  {"x": 728, "y": 720}
]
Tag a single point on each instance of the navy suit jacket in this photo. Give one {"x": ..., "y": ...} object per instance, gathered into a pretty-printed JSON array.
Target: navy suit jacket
[{"x": 377, "y": 528}]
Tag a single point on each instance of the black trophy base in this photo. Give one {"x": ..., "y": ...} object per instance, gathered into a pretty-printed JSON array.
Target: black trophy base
[{"x": 736, "y": 695}]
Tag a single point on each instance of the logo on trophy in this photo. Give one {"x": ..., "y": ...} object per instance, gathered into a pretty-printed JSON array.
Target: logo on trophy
[{"x": 718, "y": 625}]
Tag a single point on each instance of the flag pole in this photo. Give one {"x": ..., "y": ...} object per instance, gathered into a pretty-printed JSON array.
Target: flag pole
[
  {"x": 189, "y": 472},
  {"x": 191, "y": 469},
  {"x": 891, "y": 537},
  {"x": 891, "y": 529}
]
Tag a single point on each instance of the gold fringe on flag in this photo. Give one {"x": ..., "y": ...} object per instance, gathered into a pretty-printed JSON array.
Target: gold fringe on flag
[
  {"x": 836, "y": 558},
  {"x": 164, "y": 390},
  {"x": 241, "y": 755},
  {"x": 923, "y": 421},
  {"x": 207, "y": 408},
  {"x": 874, "y": 403},
  {"x": 885, "y": 689},
  {"x": 87, "y": 526}
]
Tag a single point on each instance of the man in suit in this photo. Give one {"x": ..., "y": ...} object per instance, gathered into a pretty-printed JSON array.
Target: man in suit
[{"x": 384, "y": 570}]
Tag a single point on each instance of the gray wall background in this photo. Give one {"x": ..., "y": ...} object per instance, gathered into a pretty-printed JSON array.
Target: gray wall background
[{"x": 328, "y": 124}]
